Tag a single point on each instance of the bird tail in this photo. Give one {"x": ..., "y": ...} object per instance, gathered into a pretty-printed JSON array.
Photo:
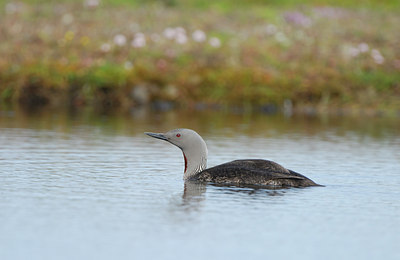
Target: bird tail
[{"x": 310, "y": 182}]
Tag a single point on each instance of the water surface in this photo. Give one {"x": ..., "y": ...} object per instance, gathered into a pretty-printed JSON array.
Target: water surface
[{"x": 81, "y": 186}]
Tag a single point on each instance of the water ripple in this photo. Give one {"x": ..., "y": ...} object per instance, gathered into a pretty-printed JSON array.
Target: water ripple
[{"x": 59, "y": 190}]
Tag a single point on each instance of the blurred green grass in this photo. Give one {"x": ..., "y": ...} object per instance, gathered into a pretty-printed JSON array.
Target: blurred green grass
[
  {"x": 231, "y": 4},
  {"x": 122, "y": 53}
]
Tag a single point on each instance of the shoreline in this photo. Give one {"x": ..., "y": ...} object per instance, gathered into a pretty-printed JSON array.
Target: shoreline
[
  {"x": 159, "y": 106},
  {"x": 311, "y": 59}
]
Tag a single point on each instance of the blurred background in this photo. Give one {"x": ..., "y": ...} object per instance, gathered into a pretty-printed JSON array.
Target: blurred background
[
  {"x": 306, "y": 56},
  {"x": 313, "y": 85}
]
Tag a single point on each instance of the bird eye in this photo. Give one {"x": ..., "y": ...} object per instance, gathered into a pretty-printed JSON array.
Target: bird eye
[{"x": 178, "y": 135}]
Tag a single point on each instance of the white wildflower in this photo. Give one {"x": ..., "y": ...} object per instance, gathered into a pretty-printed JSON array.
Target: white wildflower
[
  {"x": 139, "y": 41},
  {"x": 215, "y": 42},
  {"x": 377, "y": 56},
  {"x": 91, "y": 3},
  {"x": 178, "y": 34},
  {"x": 353, "y": 51},
  {"x": 363, "y": 47},
  {"x": 120, "y": 39},
  {"x": 199, "y": 36},
  {"x": 181, "y": 38},
  {"x": 169, "y": 33}
]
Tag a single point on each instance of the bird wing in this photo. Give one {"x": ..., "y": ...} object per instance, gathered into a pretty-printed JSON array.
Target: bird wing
[{"x": 245, "y": 169}]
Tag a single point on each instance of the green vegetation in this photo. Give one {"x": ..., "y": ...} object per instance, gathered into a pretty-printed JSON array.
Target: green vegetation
[{"x": 126, "y": 53}]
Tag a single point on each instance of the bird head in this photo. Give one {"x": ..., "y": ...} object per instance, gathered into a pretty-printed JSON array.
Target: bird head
[{"x": 181, "y": 137}]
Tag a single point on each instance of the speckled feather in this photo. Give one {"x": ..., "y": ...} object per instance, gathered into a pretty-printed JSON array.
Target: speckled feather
[{"x": 253, "y": 172}]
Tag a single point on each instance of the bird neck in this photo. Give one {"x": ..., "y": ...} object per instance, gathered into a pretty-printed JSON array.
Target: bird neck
[{"x": 195, "y": 160}]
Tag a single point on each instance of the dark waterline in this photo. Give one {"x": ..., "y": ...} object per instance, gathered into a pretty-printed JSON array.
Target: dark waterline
[{"x": 222, "y": 122}]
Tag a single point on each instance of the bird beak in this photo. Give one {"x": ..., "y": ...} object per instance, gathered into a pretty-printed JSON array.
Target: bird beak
[{"x": 157, "y": 135}]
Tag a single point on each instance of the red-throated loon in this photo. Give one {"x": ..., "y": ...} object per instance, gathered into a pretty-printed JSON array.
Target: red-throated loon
[{"x": 238, "y": 172}]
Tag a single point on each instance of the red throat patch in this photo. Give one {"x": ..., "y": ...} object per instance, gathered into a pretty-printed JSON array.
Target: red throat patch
[{"x": 184, "y": 156}]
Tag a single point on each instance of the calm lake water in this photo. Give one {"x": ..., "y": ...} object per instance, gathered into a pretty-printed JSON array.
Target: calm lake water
[{"x": 80, "y": 186}]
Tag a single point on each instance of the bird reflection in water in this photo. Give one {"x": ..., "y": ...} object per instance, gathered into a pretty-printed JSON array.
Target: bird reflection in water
[
  {"x": 193, "y": 194},
  {"x": 194, "y": 191}
]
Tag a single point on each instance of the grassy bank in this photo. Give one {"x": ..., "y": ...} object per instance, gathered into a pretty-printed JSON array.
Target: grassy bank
[{"x": 81, "y": 53}]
